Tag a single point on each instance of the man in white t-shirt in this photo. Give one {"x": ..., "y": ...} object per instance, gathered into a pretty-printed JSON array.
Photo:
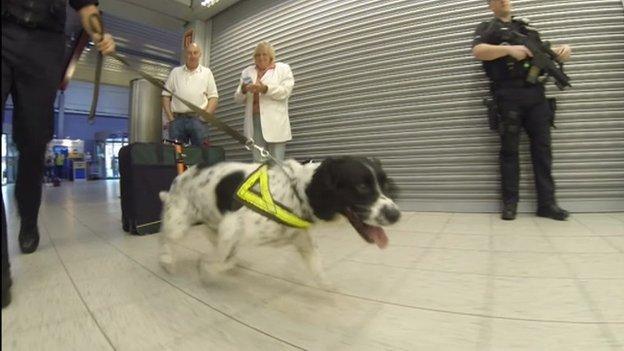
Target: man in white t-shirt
[{"x": 194, "y": 83}]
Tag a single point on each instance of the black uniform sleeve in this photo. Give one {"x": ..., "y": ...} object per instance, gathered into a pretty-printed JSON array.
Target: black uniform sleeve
[
  {"x": 78, "y": 4},
  {"x": 483, "y": 34}
]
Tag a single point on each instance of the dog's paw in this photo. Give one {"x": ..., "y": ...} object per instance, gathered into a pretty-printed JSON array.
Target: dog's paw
[
  {"x": 166, "y": 262},
  {"x": 324, "y": 284},
  {"x": 209, "y": 271}
]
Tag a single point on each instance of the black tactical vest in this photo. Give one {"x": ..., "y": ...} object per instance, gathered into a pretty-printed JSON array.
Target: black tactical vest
[
  {"x": 42, "y": 14},
  {"x": 505, "y": 68}
]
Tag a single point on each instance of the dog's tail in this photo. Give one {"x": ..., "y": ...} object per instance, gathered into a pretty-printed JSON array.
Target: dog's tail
[{"x": 164, "y": 196}]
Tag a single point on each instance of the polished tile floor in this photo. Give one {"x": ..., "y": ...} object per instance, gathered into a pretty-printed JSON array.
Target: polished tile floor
[{"x": 447, "y": 281}]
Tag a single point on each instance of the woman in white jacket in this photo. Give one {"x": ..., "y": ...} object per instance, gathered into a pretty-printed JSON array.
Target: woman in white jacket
[{"x": 265, "y": 88}]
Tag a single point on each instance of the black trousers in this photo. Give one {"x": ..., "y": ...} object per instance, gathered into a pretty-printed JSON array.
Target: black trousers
[
  {"x": 526, "y": 108},
  {"x": 5, "y": 250},
  {"x": 32, "y": 65}
]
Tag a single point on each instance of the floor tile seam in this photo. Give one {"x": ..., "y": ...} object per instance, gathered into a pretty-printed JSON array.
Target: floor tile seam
[
  {"x": 605, "y": 330},
  {"x": 172, "y": 344},
  {"x": 48, "y": 324},
  {"x": 412, "y": 307},
  {"x": 610, "y": 243},
  {"x": 347, "y": 257},
  {"x": 334, "y": 263},
  {"x": 232, "y": 317},
  {"x": 32, "y": 273},
  {"x": 418, "y": 307},
  {"x": 422, "y": 254},
  {"x": 615, "y": 247},
  {"x": 327, "y": 267},
  {"x": 616, "y": 217},
  {"x": 415, "y": 232},
  {"x": 86, "y": 306},
  {"x": 41, "y": 288},
  {"x": 485, "y": 324},
  {"x": 483, "y": 274},
  {"x": 398, "y": 281},
  {"x": 133, "y": 268},
  {"x": 149, "y": 316},
  {"x": 504, "y": 251},
  {"x": 126, "y": 302}
]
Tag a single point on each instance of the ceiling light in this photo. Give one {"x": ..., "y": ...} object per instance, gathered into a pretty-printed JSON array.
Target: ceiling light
[{"x": 209, "y": 3}]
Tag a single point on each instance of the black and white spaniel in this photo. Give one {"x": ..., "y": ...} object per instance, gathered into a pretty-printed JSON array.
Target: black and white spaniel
[{"x": 355, "y": 187}]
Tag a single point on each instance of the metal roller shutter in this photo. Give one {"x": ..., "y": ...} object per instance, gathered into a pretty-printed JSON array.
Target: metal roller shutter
[
  {"x": 397, "y": 80},
  {"x": 155, "y": 51}
]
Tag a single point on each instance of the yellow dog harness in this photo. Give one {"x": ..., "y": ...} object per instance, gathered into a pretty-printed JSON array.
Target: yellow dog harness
[{"x": 263, "y": 203}]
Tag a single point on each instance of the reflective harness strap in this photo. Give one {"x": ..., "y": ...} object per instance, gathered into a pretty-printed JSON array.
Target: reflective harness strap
[{"x": 264, "y": 203}]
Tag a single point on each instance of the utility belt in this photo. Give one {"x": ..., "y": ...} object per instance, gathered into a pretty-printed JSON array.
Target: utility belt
[
  {"x": 493, "y": 104},
  {"x": 513, "y": 84},
  {"x": 47, "y": 25}
]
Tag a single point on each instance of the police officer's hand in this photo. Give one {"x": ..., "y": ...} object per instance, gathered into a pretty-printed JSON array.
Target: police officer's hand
[
  {"x": 563, "y": 52},
  {"x": 519, "y": 52},
  {"x": 105, "y": 44}
]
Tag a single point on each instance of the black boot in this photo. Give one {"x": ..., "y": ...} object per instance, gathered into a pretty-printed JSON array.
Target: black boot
[
  {"x": 28, "y": 237},
  {"x": 7, "y": 282},
  {"x": 552, "y": 211},
  {"x": 509, "y": 211},
  {"x": 6, "y": 265},
  {"x": 6, "y": 289}
]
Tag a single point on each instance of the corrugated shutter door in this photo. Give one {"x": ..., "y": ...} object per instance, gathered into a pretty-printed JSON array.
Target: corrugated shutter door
[{"x": 397, "y": 80}]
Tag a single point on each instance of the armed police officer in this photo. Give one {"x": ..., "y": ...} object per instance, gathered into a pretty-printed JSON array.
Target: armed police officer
[{"x": 521, "y": 103}]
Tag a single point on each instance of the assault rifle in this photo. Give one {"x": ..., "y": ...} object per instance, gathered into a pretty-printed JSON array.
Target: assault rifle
[{"x": 544, "y": 59}]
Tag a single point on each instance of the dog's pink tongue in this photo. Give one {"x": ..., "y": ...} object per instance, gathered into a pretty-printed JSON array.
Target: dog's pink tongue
[
  {"x": 378, "y": 235},
  {"x": 368, "y": 232}
]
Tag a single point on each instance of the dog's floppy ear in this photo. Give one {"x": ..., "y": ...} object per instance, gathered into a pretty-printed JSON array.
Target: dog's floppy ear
[
  {"x": 327, "y": 174},
  {"x": 322, "y": 190},
  {"x": 375, "y": 162}
]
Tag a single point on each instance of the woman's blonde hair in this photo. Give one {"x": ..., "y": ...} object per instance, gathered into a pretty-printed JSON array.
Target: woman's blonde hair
[{"x": 269, "y": 48}]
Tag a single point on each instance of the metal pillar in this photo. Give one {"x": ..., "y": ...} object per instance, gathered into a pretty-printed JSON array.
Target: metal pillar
[{"x": 60, "y": 132}]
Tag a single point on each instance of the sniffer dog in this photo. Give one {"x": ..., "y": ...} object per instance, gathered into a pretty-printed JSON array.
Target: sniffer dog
[{"x": 355, "y": 187}]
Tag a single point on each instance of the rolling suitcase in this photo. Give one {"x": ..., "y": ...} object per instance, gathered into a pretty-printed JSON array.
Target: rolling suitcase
[{"x": 147, "y": 169}]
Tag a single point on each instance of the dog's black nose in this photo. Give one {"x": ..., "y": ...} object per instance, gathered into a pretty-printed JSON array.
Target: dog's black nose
[{"x": 392, "y": 214}]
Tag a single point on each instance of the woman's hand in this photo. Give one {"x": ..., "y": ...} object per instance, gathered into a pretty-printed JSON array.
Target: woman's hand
[{"x": 256, "y": 88}]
